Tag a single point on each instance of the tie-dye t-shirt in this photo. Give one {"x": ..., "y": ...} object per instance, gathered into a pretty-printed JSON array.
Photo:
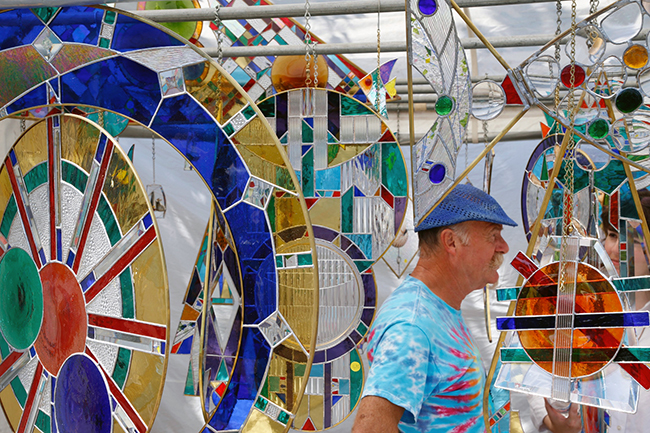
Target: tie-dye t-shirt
[{"x": 424, "y": 360}]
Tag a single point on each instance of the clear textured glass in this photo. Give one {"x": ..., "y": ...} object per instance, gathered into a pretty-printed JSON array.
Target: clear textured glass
[
  {"x": 363, "y": 214},
  {"x": 643, "y": 79},
  {"x": 488, "y": 100},
  {"x": 48, "y": 44},
  {"x": 347, "y": 129},
  {"x": 543, "y": 75},
  {"x": 161, "y": 59},
  {"x": 105, "y": 353},
  {"x": 595, "y": 159},
  {"x": 172, "y": 82},
  {"x": 275, "y": 329},
  {"x": 608, "y": 78},
  {"x": 40, "y": 207},
  {"x": 367, "y": 170},
  {"x": 257, "y": 192},
  {"x": 136, "y": 342},
  {"x": 13, "y": 371},
  {"x": 632, "y": 133},
  {"x": 320, "y": 142},
  {"x": 295, "y": 141},
  {"x": 108, "y": 302},
  {"x": 97, "y": 246},
  {"x": 623, "y": 24}
]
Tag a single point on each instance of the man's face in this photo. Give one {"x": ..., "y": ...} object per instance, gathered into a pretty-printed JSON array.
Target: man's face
[{"x": 483, "y": 255}]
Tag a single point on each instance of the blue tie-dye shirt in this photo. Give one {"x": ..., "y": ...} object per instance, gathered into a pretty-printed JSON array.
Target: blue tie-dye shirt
[{"x": 424, "y": 360}]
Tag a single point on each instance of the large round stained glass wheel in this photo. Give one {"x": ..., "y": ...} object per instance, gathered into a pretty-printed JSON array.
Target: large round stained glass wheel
[{"x": 82, "y": 257}]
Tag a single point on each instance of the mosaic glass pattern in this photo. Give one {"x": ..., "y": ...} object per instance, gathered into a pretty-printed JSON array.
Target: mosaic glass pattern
[
  {"x": 254, "y": 73},
  {"x": 112, "y": 62},
  {"x": 436, "y": 52},
  {"x": 77, "y": 227}
]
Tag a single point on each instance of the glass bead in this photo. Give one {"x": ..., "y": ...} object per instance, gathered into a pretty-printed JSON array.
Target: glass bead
[
  {"x": 578, "y": 76},
  {"x": 598, "y": 129},
  {"x": 635, "y": 57},
  {"x": 628, "y": 100},
  {"x": 444, "y": 105}
]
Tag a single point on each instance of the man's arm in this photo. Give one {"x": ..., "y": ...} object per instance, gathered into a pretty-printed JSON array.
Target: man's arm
[
  {"x": 376, "y": 414},
  {"x": 558, "y": 423}
]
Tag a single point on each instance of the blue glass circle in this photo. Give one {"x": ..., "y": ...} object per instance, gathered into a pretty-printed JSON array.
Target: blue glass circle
[
  {"x": 427, "y": 7},
  {"x": 81, "y": 399},
  {"x": 437, "y": 173}
]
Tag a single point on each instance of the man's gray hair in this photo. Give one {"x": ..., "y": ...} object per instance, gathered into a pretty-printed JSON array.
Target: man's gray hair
[{"x": 429, "y": 240}]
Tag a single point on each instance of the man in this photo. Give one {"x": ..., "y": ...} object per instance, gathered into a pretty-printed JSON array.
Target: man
[{"x": 426, "y": 373}]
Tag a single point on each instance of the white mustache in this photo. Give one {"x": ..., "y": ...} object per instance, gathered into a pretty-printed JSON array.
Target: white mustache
[{"x": 497, "y": 261}]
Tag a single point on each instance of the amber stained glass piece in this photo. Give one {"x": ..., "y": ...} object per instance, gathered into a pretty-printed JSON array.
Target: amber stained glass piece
[{"x": 635, "y": 56}]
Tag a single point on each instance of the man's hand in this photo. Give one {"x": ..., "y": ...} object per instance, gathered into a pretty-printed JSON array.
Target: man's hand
[
  {"x": 556, "y": 422},
  {"x": 376, "y": 414}
]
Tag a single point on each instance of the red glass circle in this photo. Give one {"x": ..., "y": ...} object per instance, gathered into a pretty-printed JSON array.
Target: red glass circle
[
  {"x": 578, "y": 78},
  {"x": 65, "y": 323}
]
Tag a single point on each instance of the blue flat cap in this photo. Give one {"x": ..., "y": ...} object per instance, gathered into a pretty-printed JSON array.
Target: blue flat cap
[{"x": 466, "y": 203}]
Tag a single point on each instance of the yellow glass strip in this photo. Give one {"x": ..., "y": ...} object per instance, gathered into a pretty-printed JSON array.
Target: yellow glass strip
[
  {"x": 144, "y": 384},
  {"x": 78, "y": 142},
  {"x": 31, "y": 150},
  {"x": 316, "y": 410},
  {"x": 123, "y": 191},
  {"x": 5, "y": 189},
  {"x": 258, "y": 422},
  {"x": 11, "y": 407},
  {"x": 322, "y": 215},
  {"x": 296, "y": 301},
  {"x": 150, "y": 287}
]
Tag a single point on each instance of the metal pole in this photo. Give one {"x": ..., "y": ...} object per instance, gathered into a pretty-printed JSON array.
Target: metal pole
[{"x": 297, "y": 10}]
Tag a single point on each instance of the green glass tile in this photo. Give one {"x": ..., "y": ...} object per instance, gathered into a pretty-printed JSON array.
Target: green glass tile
[
  {"x": 362, "y": 265},
  {"x": 305, "y": 260},
  {"x": 279, "y": 40},
  {"x": 121, "y": 366},
  {"x": 36, "y": 177},
  {"x": 126, "y": 286},
  {"x": 104, "y": 43},
  {"x": 284, "y": 417},
  {"x": 392, "y": 169},
  {"x": 283, "y": 178},
  {"x": 633, "y": 354},
  {"x": 274, "y": 384},
  {"x": 43, "y": 422},
  {"x": 131, "y": 152},
  {"x": 222, "y": 373},
  {"x": 278, "y": 262},
  {"x": 261, "y": 403},
  {"x": 299, "y": 370},
  {"x": 249, "y": 112},
  {"x": 267, "y": 107},
  {"x": 631, "y": 284},
  {"x": 356, "y": 378},
  {"x": 514, "y": 355},
  {"x": 307, "y": 133},
  {"x": 362, "y": 328},
  {"x": 285, "y": 138},
  {"x": 108, "y": 218},
  {"x": 507, "y": 294},
  {"x": 189, "y": 381},
  {"x": 623, "y": 255},
  {"x": 19, "y": 391},
  {"x": 347, "y": 211},
  {"x": 45, "y": 14},
  {"x": 308, "y": 173},
  {"x": 8, "y": 217},
  {"x": 352, "y": 107},
  {"x": 598, "y": 128},
  {"x": 270, "y": 211},
  {"x": 332, "y": 152},
  {"x": 258, "y": 40},
  {"x": 109, "y": 18},
  {"x": 228, "y": 129},
  {"x": 73, "y": 175},
  {"x": 265, "y": 389},
  {"x": 4, "y": 347},
  {"x": 609, "y": 180},
  {"x": 544, "y": 173},
  {"x": 332, "y": 139},
  {"x": 229, "y": 34}
]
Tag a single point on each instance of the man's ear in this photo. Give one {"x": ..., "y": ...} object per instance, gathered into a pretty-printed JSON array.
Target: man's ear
[{"x": 449, "y": 241}]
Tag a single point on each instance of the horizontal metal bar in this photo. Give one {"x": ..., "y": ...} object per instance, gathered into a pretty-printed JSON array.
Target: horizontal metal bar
[
  {"x": 371, "y": 47},
  {"x": 298, "y": 10}
]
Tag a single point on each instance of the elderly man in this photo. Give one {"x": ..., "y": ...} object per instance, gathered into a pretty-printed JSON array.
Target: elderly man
[{"x": 426, "y": 373}]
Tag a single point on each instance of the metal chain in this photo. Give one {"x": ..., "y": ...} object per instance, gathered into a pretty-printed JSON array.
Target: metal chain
[
  {"x": 308, "y": 45},
  {"x": 376, "y": 83},
  {"x": 23, "y": 125},
  {"x": 593, "y": 6},
  {"x": 153, "y": 156},
  {"x": 558, "y": 57}
]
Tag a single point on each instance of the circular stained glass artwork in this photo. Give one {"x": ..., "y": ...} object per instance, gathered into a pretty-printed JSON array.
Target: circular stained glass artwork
[
  {"x": 623, "y": 24},
  {"x": 589, "y": 45},
  {"x": 76, "y": 225},
  {"x": 444, "y": 105},
  {"x": 488, "y": 100},
  {"x": 598, "y": 128},
  {"x": 628, "y": 100},
  {"x": 437, "y": 173},
  {"x": 635, "y": 56},
  {"x": 608, "y": 78},
  {"x": 632, "y": 133},
  {"x": 427, "y": 7},
  {"x": 543, "y": 75},
  {"x": 572, "y": 76},
  {"x": 595, "y": 294}
]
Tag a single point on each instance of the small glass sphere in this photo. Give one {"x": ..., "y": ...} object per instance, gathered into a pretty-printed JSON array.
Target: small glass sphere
[
  {"x": 598, "y": 128},
  {"x": 628, "y": 100},
  {"x": 289, "y": 72},
  {"x": 578, "y": 76},
  {"x": 437, "y": 173},
  {"x": 427, "y": 7},
  {"x": 444, "y": 105},
  {"x": 635, "y": 57}
]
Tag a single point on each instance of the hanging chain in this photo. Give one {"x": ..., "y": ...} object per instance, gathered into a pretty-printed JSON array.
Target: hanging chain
[
  {"x": 593, "y": 6},
  {"x": 558, "y": 58},
  {"x": 376, "y": 81},
  {"x": 23, "y": 125},
  {"x": 308, "y": 46},
  {"x": 219, "y": 23},
  {"x": 153, "y": 156}
]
